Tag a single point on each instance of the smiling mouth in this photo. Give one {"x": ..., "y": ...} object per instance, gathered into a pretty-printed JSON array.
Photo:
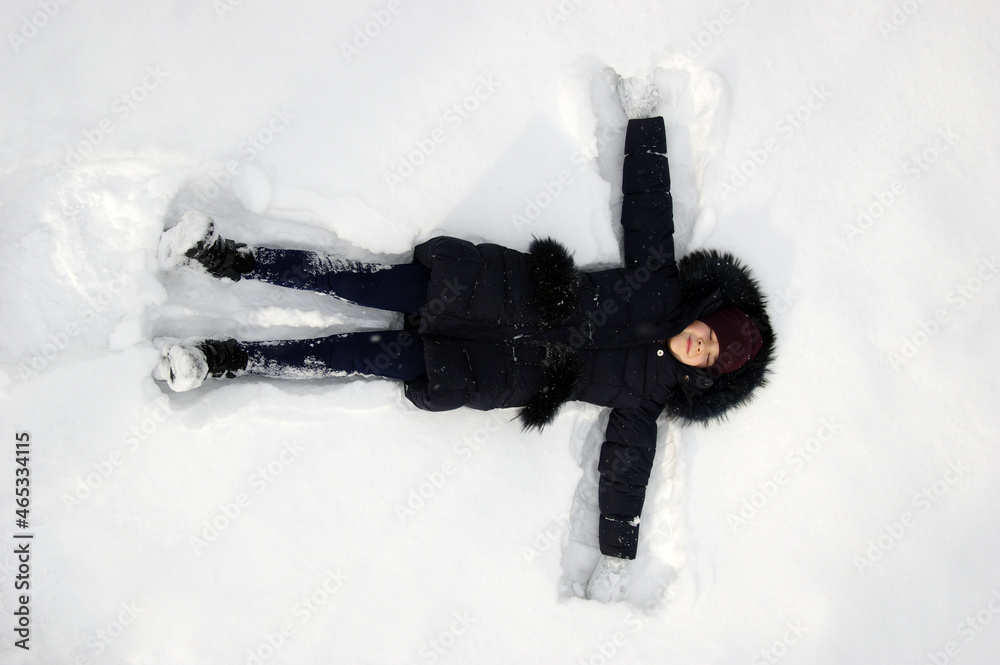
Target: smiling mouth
[{"x": 689, "y": 345}]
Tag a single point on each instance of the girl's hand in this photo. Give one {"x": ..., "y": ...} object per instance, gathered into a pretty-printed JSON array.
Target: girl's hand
[{"x": 639, "y": 96}]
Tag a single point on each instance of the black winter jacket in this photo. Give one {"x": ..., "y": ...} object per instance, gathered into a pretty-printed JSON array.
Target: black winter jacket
[{"x": 504, "y": 328}]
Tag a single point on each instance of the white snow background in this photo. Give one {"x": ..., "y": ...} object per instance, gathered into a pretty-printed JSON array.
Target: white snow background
[{"x": 848, "y": 151}]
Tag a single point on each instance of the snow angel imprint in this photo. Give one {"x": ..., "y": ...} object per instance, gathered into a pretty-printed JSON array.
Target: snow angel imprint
[{"x": 490, "y": 327}]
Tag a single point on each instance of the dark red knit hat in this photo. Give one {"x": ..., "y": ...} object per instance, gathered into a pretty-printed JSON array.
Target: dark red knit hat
[{"x": 739, "y": 338}]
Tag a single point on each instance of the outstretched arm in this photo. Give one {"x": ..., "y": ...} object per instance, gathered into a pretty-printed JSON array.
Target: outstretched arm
[
  {"x": 625, "y": 464},
  {"x": 647, "y": 207}
]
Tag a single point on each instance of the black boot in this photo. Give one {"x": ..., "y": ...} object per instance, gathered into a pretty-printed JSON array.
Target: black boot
[
  {"x": 223, "y": 257},
  {"x": 194, "y": 239},
  {"x": 186, "y": 365},
  {"x": 225, "y": 357}
]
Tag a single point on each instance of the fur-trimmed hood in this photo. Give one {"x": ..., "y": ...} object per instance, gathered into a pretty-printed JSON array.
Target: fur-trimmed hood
[
  {"x": 710, "y": 396},
  {"x": 708, "y": 280}
]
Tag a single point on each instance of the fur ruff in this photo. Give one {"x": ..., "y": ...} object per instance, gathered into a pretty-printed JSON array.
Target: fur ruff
[
  {"x": 556, "y": 281},
  {"x": 701, "y": 273},
  {"x": 560, "y": 370}
]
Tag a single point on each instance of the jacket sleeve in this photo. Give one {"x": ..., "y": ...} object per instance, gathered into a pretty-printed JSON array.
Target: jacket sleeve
[
  {"x": 625, "y": 464},
  {"x": 647, "y": 207}
]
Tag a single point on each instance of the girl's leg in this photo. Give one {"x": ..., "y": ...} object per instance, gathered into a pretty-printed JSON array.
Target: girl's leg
[
  {"x": 398, "y": 288},
  {"x": 194, "y": 240},
  {"x": 391, "y": 354}
]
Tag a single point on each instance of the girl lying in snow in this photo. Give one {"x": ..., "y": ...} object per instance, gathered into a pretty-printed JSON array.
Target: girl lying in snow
[{"x": 490, "y": 327}]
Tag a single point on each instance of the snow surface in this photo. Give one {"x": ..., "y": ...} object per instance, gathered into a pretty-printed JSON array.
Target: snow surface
[{"x": 848, "y": 151}]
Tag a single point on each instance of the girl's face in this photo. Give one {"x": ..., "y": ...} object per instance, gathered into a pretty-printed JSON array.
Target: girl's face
[{"x": 696, "y": 345}]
